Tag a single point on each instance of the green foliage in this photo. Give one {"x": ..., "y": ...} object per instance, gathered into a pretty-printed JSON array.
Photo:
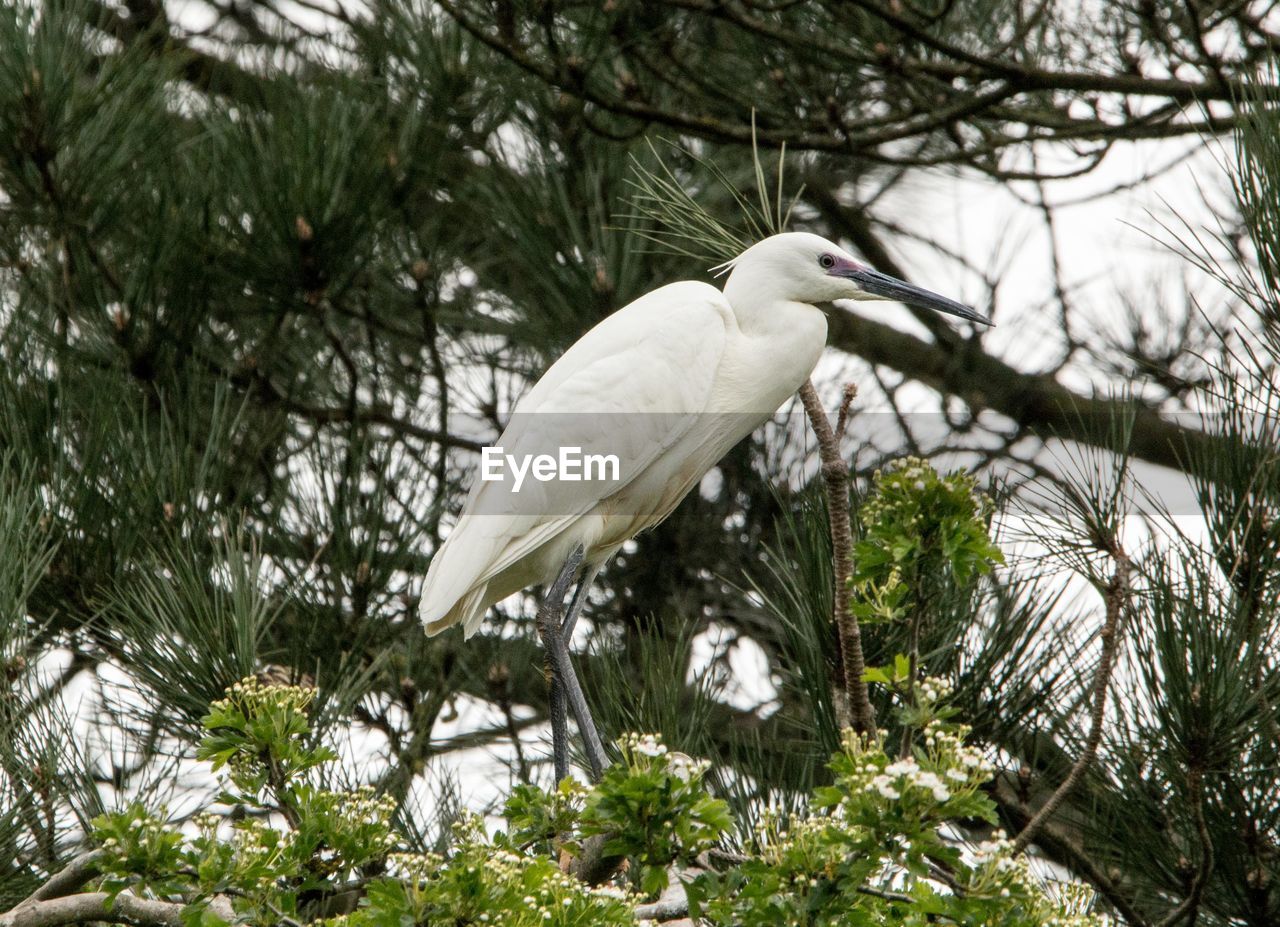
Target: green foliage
[
  {"x": 316, "y": 849},
  {"x": 918, "y": 531},
  {"x": 60, "y": 134},
  {"x": 141, "y": 850},
  {"x": 169, "y": 607},
  {"x": 254, "y": 283},
  {"x": 872, "y": 845},
  {"x": 539, "y": 820},
  {"x": 258, "y": 731},
  {"x": 481, "y": 882},
  {"x": 654, "y": 809},
  {"x": 257, "y": 737},
  {"x": 876, "y": 846}
]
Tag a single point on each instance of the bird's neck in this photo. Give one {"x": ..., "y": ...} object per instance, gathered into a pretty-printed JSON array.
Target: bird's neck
[{"x": 760, "y": 305}]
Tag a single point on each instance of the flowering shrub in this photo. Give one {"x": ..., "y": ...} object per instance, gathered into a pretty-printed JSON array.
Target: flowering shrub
[
  {"x": 654, "y": 809},
  {"x": 328, "y": 849},
  {"x": 918, "y": 528},
  {"x": 482, "y": 882},
  {"x": 882, "y": 844},
  {"x": 879, "y": 846}
]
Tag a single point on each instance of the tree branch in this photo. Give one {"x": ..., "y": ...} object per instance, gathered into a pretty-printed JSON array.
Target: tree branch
[
  {"x": 91, "y": 907},
  {"x": 74, "y": 876},
  {"x": 961, "y": 80},
  {"x": 1036, "y": 402},
  {"x": 1117, "y": 597},
  {"x": 835, "y": 475}
]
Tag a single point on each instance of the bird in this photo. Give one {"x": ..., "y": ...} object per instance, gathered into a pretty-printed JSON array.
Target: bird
[{"x": 664, "y": 386}]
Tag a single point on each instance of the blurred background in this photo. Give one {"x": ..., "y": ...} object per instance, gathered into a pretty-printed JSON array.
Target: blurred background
[{"x": 273, "y": 271}]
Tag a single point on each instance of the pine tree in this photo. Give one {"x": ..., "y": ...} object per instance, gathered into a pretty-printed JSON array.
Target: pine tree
[{"x": 266, "y": 287}]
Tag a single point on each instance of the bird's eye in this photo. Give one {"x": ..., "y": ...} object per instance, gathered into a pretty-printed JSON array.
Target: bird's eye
[{"x": 826, "y": 262}]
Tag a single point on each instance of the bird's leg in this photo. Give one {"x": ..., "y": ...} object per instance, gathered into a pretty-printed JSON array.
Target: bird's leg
[
  {"x": 558, "y": 709},
  {"x": 559, "y": 704},
  {"x": 548, "y": 628},
  {"x": 581, "y": 714},
  {"x": 564, "y": 678},
  {"x": 579, "y": 599}
]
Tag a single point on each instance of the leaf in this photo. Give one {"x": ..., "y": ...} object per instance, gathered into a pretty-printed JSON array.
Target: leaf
[
  {"x": 654, "y": 880},
  {"x": 901, "y": 667},
  {"x": 199, "y": 914}
]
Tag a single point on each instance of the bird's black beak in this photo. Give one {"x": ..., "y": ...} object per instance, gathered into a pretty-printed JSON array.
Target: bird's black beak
[{"x": 878, "y": 284}]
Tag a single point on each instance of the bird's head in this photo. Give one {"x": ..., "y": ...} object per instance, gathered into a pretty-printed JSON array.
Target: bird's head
[{"x": 806, "y": 268}]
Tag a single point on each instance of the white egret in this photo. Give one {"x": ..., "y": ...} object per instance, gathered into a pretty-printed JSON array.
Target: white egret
[{"x": 667, "y": 385}]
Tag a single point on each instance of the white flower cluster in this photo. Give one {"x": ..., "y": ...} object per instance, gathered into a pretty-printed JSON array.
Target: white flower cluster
[
  {"x": 365, "y": 806},
  {"x": 996, "y": 852},
  {"x": 955, "y": 765},
  {"x": 1076, "y": 899},
  {"x": 998, "y": 871},
  {"x": 246, "y": 770},
  {"x": 912, "y": 470},
  {"x": 933, "y": 689},
  {"x": 906, "y": 774},
  {"x": 362, "y": 810},
  {"x": 250, "y": 693},
  {"x": 254, "y": 849},
  {"x": 414, "y": 867},
  {"x": 148, "y": 828},
  {"x": 917, "y": 473},
  {"x": 644, "y": 744},
  {"x": 687, "y": 768},
  {"x": 777, "y": 833},
  {"x": 680, "y": 765},
  {"x": 962, "y": 762},
  {"x": 557, "y": 890}
]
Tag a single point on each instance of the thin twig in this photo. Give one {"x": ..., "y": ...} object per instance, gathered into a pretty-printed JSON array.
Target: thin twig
[
  {"x": 1191, "y": 904},
  {"x": 1117, "y": 595},
  {"x": 835, "y": 475},
  {"x": 500, "y": 689},
  {"x": 913, "y": 667},
  {"x": 1063, "y": 850},
  {"x": 846, "y": 403}
]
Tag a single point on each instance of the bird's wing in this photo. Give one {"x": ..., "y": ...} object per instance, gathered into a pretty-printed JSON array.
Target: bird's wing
[{"x": 630, "y": 387}]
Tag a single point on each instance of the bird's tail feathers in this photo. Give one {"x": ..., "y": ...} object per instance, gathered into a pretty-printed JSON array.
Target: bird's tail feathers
[
  {"x": 454, "y": 588},
  {"x": 468, "y": 611}
]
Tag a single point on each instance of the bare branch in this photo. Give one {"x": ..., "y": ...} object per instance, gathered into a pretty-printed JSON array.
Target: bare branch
[
  {"x": 1117, "y": 597},
  {"x": 1037, "y": 402},
  {"x": 72, "y": 878},
  {"x": 1062, "y": 849},
  {"x": 92, "y": 907},
  {"x": 835, "y": 474}
]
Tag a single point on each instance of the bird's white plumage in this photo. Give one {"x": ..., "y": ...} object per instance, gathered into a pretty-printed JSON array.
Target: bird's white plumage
[
  {"x": 632, "y": 386},
  {"x": 667, "y": 384}
]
